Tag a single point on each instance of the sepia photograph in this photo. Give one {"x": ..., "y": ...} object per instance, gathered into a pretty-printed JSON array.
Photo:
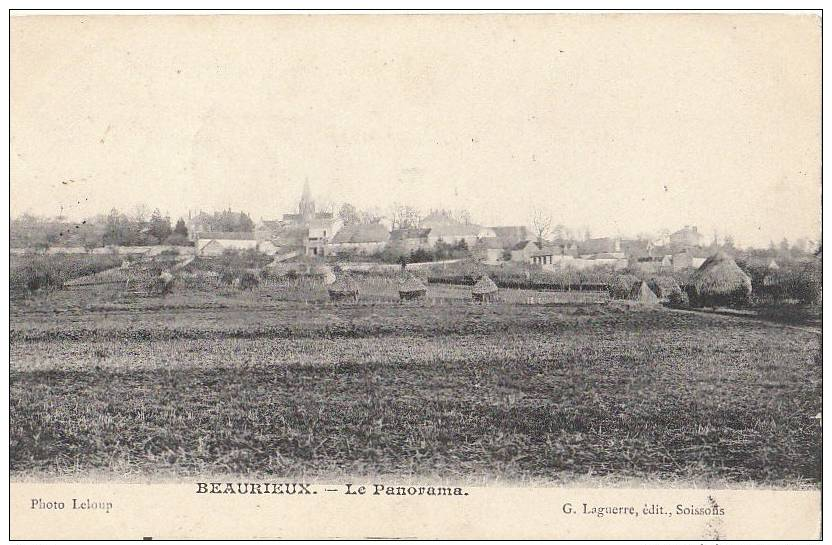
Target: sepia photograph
[{"x": 460, "y": 275}]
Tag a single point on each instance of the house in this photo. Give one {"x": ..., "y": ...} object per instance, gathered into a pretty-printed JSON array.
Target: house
[
  {"x": 319, "y": 232},
  {"x": 510, "y": 235},
  {"x": 455, "y": 233},
  {"x": 523, "y": 251},
  {"x": 268, "y": 229},
  {"x": 489, "y": 250},
  {"x": 569, "y": 247},
  {"x": 687, "y": 236},
  {"x": 363, "y": 238},
  {"x": 617, "y": 260},
  {"x": 592, "y": 246},
  {"x": 655, "y": 265},
  {"x": 408, "y": 240},
  {"x": 216, "y": 242},
  {"x": 551, "y": 257},
  {"x": 636, "y": 248}
]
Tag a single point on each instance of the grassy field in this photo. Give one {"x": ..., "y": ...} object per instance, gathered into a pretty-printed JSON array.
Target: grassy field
[{"x": 200, "y": 384}]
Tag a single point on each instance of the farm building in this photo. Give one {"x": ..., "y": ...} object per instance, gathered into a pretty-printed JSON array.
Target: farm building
[
  {"x": 485, "y": 290},
  {"x": 454, "y": 233},
  {"x": 510, "y": 235},
  {"x": 551, "y": 257},
  {"x": 642, "y": 293},
  {"x": 604, "y": 245},
  {"x": 490, "y": 250},
  {"x": 409, "y": 240},
  {"x": 686, "y": 237},
  {"x": 655, "y": 265},
  {"x": 720, "y": 281},
  {"x": 363, "y": 238},
  {"x": 216, "y": 242},
  {"x": 636, "y": 248},
  {"x": 617, "y": 260},
  {"x": 320, "y": 232},
  {"x": 268, "y": 229},
  {"x": 523, "y": 251}
]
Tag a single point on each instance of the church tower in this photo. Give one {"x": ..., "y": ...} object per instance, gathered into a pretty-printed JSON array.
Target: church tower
[{"x": 306, "y": 207}]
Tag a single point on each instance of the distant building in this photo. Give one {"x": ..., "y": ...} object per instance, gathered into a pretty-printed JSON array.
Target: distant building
[
  {"x": 599, "y": 246},
  {"x": 688, "y": 236},
  {"x": 306, "y": 231},
  {"x": 510, "y": 235},
  {"x": 655, "y": 265},
  {"x": 636, "y": 248},
  {"x": 365, "y": 238},
  {"x": 409, "y": 240},
  {"x": 319, "y": 233},
  {"x": 550, "y": 257},
  {"x": 217, "y": 242},
  {"x": 454, "y": 233},
  {"x": 523, "y": 251},
  {"x": 489, "y": 249}
]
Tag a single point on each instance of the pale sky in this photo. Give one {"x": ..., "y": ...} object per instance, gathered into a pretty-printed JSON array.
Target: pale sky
[{"x": 618, "y": 123}]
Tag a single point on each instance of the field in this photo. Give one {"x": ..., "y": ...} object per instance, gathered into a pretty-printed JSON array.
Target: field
[{"x": 218, "y": 383}]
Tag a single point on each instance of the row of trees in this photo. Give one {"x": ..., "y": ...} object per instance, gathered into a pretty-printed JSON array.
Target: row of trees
[
  {"x": 122, "y": 230},
  {"x": 115, "y": 228},
  {"x": 402, "y": 216}
]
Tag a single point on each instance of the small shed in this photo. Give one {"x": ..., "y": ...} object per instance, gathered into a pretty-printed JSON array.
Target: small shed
[{"x": 485, "y": 290}]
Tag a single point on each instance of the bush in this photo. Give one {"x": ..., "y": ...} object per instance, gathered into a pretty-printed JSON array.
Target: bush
[
  {"x": 621, "y": 285},
  {"x": 678, "y": 299},
  {"x": 248, "y": 280},
  {"x": 31, "y": 273},
  {"x": 227, "y": 277},
  {"x": 161, "y": 285}
]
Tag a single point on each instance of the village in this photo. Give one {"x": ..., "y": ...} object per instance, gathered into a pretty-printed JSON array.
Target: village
[{"x": 350, "y": 235}]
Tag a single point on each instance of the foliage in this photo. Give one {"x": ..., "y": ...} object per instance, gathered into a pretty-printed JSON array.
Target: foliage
[
  {"x": 678, "y": 299},
  {"x": 181, "y": 229},
  {"x": 28, "y": 273},
  {"x": 226, "y": 220},
  {"x": 248, "y": 280}
]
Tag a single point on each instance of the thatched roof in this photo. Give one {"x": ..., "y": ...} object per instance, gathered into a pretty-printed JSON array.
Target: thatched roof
[
  {"x": 642, "y": 293},
  {"x": 663, "y": 286},
  {"x": 720, "y": 274},
  {"x": 343, "y": 284},
  {"x": 411, "y": 284},
  {"x": 484, "y": 285}
]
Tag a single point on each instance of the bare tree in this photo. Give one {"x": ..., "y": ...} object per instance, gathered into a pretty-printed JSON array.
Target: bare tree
[
  {"x": 404, "y": 216},
  {"x": 326, "y": 206},
  {"x": 541, "y": 223},
  {"x": 140, "y": 212},
  {"x": 349, "y": 214},
  {"x": 462, "y": 216},
  {"x": 371, "y": 215}
]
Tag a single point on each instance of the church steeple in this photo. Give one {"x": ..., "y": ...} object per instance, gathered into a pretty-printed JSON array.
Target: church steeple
[{"x": 306, "y": 207}]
